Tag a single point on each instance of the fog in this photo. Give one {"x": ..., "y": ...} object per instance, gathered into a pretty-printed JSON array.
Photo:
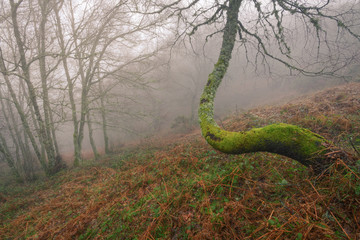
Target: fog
[{"x": 83, "y": 79}]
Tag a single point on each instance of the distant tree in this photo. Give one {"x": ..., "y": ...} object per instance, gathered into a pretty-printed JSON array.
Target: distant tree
[
  {"x": 61, "y": 59},
  {"x": 24, "y": 44},
  {"x": 99, "y": 51},
  {"x": 190, "y": 68},
  {"x": 263, "y": 26}
]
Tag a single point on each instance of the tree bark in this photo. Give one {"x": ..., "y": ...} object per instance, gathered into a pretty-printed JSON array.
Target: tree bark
[
  {"x": 104, "y": 119},
  {"x": 308, "y": 148},
  {"x": 91, "y": 137}
]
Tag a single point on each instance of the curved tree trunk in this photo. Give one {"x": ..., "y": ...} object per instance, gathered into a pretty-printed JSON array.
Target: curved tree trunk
[{"x": 308, "y": 148}]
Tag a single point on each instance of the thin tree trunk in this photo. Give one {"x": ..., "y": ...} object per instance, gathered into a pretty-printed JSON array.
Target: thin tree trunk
[
  {"x": 91, "y": 137},
  {"x": 24, "y": 158},
  {"x": 84, "y": 90},
  {"x": 91, "y": 68},
  {"x": 8, "y": 157},
  {"x": 11, "y": 125},
  {"x": 48, "y": 116},
  {"x": 77, "y": 147},
  {"x": 29, "y": 164},
  {"x": 104, "y": 120},
  {"x": 21, "y": 114},
  {"x": 49, "y": 124}
]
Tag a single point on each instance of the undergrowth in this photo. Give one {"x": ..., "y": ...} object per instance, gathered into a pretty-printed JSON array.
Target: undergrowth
[{"x": 186, "y": 190}]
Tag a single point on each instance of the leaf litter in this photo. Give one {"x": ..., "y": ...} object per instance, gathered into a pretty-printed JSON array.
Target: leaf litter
[{"x": 177, "y": 187}]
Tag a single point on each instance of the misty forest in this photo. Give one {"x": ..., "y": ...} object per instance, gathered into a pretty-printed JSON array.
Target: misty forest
[{"x": 180, "y": 119}]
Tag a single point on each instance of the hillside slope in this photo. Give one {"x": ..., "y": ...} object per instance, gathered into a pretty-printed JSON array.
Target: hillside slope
[{"x": 180, "y": 188}]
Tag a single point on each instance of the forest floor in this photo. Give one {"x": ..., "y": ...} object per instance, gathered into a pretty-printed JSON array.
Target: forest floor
[{"x": 177, "y": 187}]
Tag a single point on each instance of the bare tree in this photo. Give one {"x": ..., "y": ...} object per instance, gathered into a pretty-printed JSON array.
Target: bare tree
[
  {"x": 24, "y": 55},
  {"x": 57, "y": 56}
]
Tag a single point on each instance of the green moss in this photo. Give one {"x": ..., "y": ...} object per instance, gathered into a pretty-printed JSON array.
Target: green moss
[
  {"x": 285, "y": 139},
  {"x": 292, "y": 141}
]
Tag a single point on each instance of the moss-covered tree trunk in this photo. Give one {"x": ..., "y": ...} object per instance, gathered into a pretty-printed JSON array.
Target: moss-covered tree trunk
[{"x": 295, "y": 142}]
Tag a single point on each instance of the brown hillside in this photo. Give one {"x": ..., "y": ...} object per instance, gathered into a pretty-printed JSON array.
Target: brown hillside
[{"x": 177, "y": 187}]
